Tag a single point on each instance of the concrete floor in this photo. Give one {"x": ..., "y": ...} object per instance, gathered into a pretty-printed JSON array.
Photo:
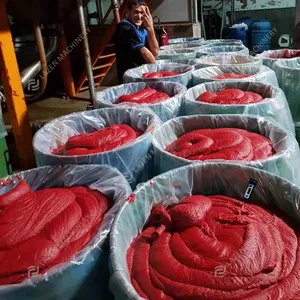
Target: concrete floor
[
  {"x": 50, "y": 108},
  {"x": 40, "y": 113}
]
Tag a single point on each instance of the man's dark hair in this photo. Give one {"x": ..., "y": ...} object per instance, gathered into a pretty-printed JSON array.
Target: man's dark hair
[{"x": 132, "y": 3}]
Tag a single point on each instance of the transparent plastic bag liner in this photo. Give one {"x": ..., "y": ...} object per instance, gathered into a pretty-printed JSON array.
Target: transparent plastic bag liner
[
  {"x": 178, "y": 54},
  {"x": 228, "y": 60},
  {"x": 284, "y": 163},
  {"x": 185, "y": 77},
  {"x": 223, "y": 50},
  {"x": 165, "y": 110},
  {"x": 224, "y": 41},
  {"x": 259, "y": 74},
  {"x": 192, "y": 62},
  {"x": 288, "y": 74},
  {"x": 57, "y": 132},
  {"x": 274, "y": 105},
  {"x": 64, "y": 281},
  {"x": 170, "y": 188},
  {"x": 199, "y": 41},
  {"x": 271, "y": 56},
  {"x": 192, "y": 46}
]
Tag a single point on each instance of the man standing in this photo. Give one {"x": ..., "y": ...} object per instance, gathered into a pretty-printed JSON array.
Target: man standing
[{"x": 135, "y": 40}]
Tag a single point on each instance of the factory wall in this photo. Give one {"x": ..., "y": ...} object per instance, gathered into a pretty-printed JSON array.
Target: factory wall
[
  {"x": 283, "y": 30},
  {"x": 241, "y": 5},
  {"x": 274, "y": 10},
  {"x": 173, "y": 11},
  {"x": 297, "y": 19},
  {"x": 105, "y": 6},
  {"x": 166, "y": 11}
]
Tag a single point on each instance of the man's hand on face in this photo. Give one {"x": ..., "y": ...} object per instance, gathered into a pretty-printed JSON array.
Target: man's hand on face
[{"x": 148, "y": 20}]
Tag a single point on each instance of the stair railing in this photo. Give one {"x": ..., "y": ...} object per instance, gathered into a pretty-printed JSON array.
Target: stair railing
[{"x": 119, "y": 12}]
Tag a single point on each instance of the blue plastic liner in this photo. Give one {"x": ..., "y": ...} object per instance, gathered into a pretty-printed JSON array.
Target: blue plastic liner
[
  {"x": 125, "y": 158},
  {"x": 71, "y": 279},
  {"x": 165, "y": 110}
]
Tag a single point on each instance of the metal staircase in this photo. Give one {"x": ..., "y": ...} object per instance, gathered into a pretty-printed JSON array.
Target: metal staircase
[{"x": 102, "y": 49}]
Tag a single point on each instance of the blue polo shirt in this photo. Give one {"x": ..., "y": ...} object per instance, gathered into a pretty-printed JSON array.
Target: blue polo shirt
[{"x": 128, "y": 41}]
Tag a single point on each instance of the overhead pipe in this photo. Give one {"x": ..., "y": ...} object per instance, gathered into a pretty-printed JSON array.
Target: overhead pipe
[
  {"x": 116, "y": 7},
  {"x": 65, "y": 65},
  {"x": 87, "y": 56},
  {"x": 30, "y": 72},
  {"x": 40, "y": 84}
]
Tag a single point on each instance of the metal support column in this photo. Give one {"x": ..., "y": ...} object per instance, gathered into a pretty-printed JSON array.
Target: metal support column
[
  {"x": 87, "y": 56},
  {"x": 233, "y": 11},
  {"x": 223, "y": 18},
  {"x": 202, "y": 20},
  {"x": 116, "y": 6},
  {"x": 14, "y": 94},
  {"x": 65, "y": 65},
  {"x": 196, "y": 11},
  {"x": 297, "y": 18},
  {"x": 99, "y": 10}
]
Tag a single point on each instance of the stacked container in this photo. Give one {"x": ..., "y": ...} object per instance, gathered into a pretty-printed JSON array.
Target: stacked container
[
  {"x": 270, "y": 57},
  {"x": 270, "y": 181},
  {"x": 197, "y": 61},
  {"x": 124, "y": 158},
  {"x": 257, "y": 74},
  {"x": 86, "y": 274},
  {"x": 260, "y": 36},
  {"x": 184, "y": 77},
  {"x": 283, "y": 163},
  {"x": 198, "y": 41},
  {"x": 166, "y": 110},
  {"x": 211, "y": 49},
  {"x": 274, "y": 106},
  {"x": 178, "y": 54},
  {"x": 170, "y": 189},
  {"x": 227, "y": 60},
  {"x": 5, "y": 166},
  {"x": 288, "y": 74}
]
